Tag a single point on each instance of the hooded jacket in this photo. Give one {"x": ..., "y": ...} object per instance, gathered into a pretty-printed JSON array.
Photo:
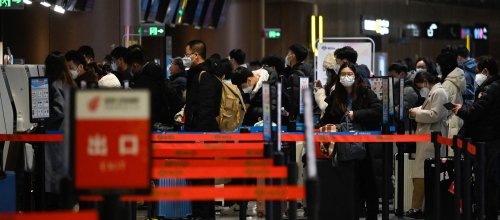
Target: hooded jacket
[
  {"x": 455, "y": 86},
  {"x": 469, "y": 68}
]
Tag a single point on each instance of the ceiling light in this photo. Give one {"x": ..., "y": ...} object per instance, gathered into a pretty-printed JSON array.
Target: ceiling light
[
  {"x": 59, "y": 9},
  {"x": 28, "y": 2},
  {"x": 46, "y": 4}
]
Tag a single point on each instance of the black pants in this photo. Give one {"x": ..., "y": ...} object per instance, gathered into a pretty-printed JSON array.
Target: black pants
[
  {"x": 203, "y": 209},
  {"x": 369, "y": 190}
]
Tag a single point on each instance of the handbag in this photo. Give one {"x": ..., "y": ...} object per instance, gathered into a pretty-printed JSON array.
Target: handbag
[
  {"x": 346, "y": 151},
  {"x": 327, "y": 148}
]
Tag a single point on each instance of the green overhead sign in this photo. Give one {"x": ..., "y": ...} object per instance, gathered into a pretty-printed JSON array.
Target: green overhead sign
[
  {"x": 11, "y": 4},
  {"x": 151, "y": 30},
  {"x": 273, "y": 33}
]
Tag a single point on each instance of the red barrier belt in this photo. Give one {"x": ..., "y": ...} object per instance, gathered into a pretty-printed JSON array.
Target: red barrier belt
[
  {"x": 219, "y": 172},
  {"x": 208, "y": 146},
  {"x": 446, "y": 141},
  {"x": 240, "y": 150},
  {"x": 472, "y": 149},
  {"x": 204, "y": 193},
  {"x": 32, "y": 137},
  {"x": 81, "y": 215},
  {"x": 207, "y": 137},
  {"x": 213, "y": 163},
  {"x": 359, "y": 138}
]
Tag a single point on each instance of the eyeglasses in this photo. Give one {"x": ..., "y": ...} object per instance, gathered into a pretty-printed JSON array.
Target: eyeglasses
[{"x": 347, "y": 73}]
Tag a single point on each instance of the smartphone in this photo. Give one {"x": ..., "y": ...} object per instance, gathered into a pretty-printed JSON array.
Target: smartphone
[{"x": 449, "y": 105}]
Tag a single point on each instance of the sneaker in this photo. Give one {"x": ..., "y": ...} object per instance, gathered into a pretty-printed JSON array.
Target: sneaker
[
  {"x": 233, "y": 210},
  {"x": 415, "y": 213}
]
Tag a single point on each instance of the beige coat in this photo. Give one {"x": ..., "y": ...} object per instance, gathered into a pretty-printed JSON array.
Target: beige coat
[
  {"x": 454, "y": 85},
  {"x": 431, "y": 116}
]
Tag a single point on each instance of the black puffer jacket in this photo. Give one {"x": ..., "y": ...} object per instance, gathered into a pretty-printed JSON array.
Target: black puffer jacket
[
  {"x": 482, "y": 120},
  {"x": 367, "y": 109},
  {"x": 255, "y": 111},
  {"x": 203, "y": 97}
]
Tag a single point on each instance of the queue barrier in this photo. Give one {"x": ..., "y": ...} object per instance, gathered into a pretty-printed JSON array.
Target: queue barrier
[
  {"x": 258, "y": 137},
  {"x": 81, "y": 215},
  {"x": 462, "y": 187},
  {"x": 202, "y": 193}
]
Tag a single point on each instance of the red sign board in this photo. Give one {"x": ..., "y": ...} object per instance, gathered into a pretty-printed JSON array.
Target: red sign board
[{"x": 112, "y": 140}]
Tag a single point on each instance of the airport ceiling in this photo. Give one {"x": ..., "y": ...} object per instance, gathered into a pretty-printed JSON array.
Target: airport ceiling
[{"x": 467, "y": 3}]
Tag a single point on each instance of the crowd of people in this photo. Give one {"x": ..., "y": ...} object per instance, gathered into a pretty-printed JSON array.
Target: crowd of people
[{"x": 191, "y": 96}]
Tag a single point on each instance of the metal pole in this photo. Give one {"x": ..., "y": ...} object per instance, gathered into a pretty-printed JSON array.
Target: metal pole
[
  {"x": 458, "y": 179},
  {"x": 401, "y": 173},
  {"x": 467, "y": 201},
  {"x": 437, "y": 172},
  {"x": 481, "y": 161}
]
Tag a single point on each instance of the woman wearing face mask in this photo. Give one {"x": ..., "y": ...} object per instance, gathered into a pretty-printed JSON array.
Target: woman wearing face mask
[
  {"x": 320, "y": 92},
  {"x": 355, "y": 180},
  {"x": 482, "y": 123},
  {"x": 454, "y": 83},
  {"x": 431, "y": 116}
]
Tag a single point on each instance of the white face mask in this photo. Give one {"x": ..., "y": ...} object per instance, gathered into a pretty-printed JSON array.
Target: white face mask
[
  {"x": 480, "y": 78},
  {"x": 420, "y": 70},
  {"x": 187, "y": 62},
  {"x": 347, "y": 81},
  {"x": 73, "y": 73},
  {"x": 287, "y": 61},
  {"x": 336, "y": 67},
  {"x": 424, "y": 92},
  {"x": 114, "y": 67},
  {"x": 247, "y": 90}
]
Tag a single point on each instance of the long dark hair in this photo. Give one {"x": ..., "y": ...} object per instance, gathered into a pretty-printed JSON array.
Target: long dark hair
[
  {"x": 339, "y": 105},
  {"x": 56, "y": 68}
]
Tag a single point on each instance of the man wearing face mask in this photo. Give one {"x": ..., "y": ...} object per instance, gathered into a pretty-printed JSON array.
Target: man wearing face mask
[
  {"x": 295, "y": 68},
  {"x": 76, "y": 65},
  {"x": 250, "y": 82},
  {"x": 468, "y": 65},
  {"x": 203, "y": 97},
  {"x": 118, "y": 65}
]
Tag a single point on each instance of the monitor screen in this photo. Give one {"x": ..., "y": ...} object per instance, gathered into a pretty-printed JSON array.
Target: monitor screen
[{"x": 39, "y": 99}]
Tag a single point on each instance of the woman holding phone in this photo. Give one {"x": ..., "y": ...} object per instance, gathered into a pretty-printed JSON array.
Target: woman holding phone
[{"x": 431, "y": 116}]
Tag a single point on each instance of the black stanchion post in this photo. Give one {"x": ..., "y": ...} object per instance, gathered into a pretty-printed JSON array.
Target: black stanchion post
[
  {"x": 458, "y": 179},
  {"x": 467, "y": 200},
  {"x": 387, "y": 151},
  {"x": 437, "y": 174},
  {"x": 481, "y": 185},
  {"x": 401, "y": 173},
  {"x": 279, "y": 160},
  {"x": 268, "y": 142}
]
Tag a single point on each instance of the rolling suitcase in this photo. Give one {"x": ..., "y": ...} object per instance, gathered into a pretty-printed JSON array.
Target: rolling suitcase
[
  {"x": 173, "y": 209},
  {"x": 445, "y": 188},
  {"x": 339, "y": 189}
]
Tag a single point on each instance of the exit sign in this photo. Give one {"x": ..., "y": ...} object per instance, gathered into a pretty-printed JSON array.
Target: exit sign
[
  {"x": 151, "y": 30},
  {"x": 273, "y": 33},
  {"x": 11, "y": 4}
]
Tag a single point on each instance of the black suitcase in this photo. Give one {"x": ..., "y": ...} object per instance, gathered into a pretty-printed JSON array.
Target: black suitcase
[
  {"x": 445, "y": 188},
  {"x": 339, "y": 189}
]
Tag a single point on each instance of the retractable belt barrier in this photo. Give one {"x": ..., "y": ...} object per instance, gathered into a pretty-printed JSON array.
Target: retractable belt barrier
[
  {"x": 200, "y": 193},
  {"x": 256, "y": 137},
  {"x": 81, "y": 215},
  {"x": 461, "y": 187}
]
